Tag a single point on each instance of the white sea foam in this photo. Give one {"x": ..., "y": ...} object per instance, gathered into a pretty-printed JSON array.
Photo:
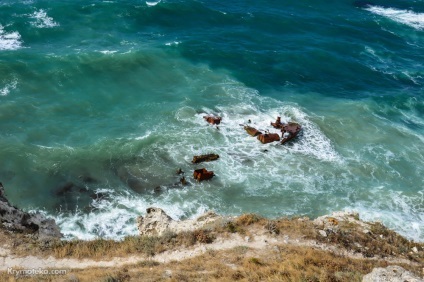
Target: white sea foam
[
  {"x": 410, "y": 18},
  {"x": 9, "y": 41},
  {"x": 42, "y": 20},
  {"x": 152, "y": 3},
  {"x": 172, "y": 43},
  {"x": 114, "y": 216},
  {"x": 403, "y": 213},
  {"x": 107, "y": 52},
  {"x": 8, "y": 87},
  {"x": 301, "y": 171}
]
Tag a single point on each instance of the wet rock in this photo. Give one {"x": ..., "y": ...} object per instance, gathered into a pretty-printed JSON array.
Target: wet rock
[
  {"x": 156, "y": 222},
  {"x": 277, "y": 124},
  {"x": 213, "y": 119},
  {"x": 290, "y": 131},
  {"x": 252, "y": 131},
  {"x": 268, "y": 138},
  {"x": 180, "y": 171},
  {"x": 13, "y": 219},
  {"x": 205, "y": 158},
  {"x": 202, "y": 174},
  {"x": 391, "y": 273}
]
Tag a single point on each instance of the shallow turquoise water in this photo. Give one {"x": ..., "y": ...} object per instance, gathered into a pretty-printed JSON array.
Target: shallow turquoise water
[{"x": 106, "y": 98}]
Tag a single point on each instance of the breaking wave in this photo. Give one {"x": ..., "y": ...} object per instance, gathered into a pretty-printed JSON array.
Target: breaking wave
[
  {"x": 42, "y": 20},
  {"x": 410, "y": 18},
  {"x": 6, "y": 89},
  {"x": 9, "y": 41}
]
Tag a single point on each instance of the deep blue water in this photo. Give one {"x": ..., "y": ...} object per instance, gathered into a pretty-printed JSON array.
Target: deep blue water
[{"x": 102, "y": 101}]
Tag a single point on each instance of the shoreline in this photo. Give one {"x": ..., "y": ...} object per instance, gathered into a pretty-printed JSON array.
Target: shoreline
[{"x": 255, "y": 245}]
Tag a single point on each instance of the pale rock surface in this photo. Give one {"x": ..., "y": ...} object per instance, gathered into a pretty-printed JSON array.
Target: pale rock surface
[
  {"x": 332, "y": 222},
  {"x": 391, "y": 273},
  {"x": 156, "y": 222}
]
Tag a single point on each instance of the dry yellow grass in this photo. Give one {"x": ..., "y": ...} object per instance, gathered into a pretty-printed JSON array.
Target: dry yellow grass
[
  {"x": 280, "y": 263},
  {"x": 283, "y": 263}
]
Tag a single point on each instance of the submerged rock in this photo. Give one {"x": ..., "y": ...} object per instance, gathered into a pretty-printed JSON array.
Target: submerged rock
[
  {"x": 205, "y": 158},
  {"x": 16, "y": 220},
  {"x": 156, "y": 222}
]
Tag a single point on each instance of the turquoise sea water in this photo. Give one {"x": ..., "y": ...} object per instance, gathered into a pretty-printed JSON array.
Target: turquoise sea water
[{"x": 102, "y": 101}]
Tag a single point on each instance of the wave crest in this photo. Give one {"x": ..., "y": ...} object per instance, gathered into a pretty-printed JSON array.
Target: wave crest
[
  {"x": 410, "y": 18},
  {"x": 9, "y": 41},
  {"x": 42, "y": 20}
]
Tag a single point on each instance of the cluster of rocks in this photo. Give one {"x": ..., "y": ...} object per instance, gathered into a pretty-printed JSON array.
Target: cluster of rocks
[
  {"x": 202, "y": 173},
  {"x": 35, "y": 225},
  {"x": 288, "y": 132}
]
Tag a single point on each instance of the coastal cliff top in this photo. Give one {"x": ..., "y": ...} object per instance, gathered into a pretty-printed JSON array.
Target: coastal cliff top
[{"x": 336, "y": 247}]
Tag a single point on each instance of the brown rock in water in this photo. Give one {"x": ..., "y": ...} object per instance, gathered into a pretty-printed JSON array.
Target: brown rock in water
[
  {"x": 202, "y": 174},
  {"x": 277, "y": 124},
  {"x": 14, "y": 219},
  {"x": 252, "y": 131},
  {"x": 290, "y": 131},
  {"x": 205, "y": 158},
  {"x": 213, "y": 119},
  {"x": 268, "y": 138}
]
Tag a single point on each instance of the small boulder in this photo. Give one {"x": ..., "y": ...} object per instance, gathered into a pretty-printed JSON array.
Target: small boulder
[
  {"x": 202, "y": 174},
  {"x": 252, "y": 131},
  {"x": 156, "y": 222},
  {"x": 268, "y": 138},
  {"x": 213, "y": 119},
  {"x": 205, "y": 158}
]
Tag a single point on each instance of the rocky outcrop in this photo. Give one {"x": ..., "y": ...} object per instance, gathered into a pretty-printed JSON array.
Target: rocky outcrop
[
  {"x": 13, "y": 219},
  {"x": 391, "y": 273},
  {"x": 333, "y": 222},
  {"x": 156, "y": 222}
]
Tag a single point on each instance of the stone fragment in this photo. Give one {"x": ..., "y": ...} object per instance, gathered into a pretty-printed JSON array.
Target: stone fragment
[
  {"x": 322, "y": 233},
  {"x": 205, "y": 158},
  {"x": 202, "y": 174},
  {"x": 213, "y": 119},
  {"x": 268, "y": 138}
]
